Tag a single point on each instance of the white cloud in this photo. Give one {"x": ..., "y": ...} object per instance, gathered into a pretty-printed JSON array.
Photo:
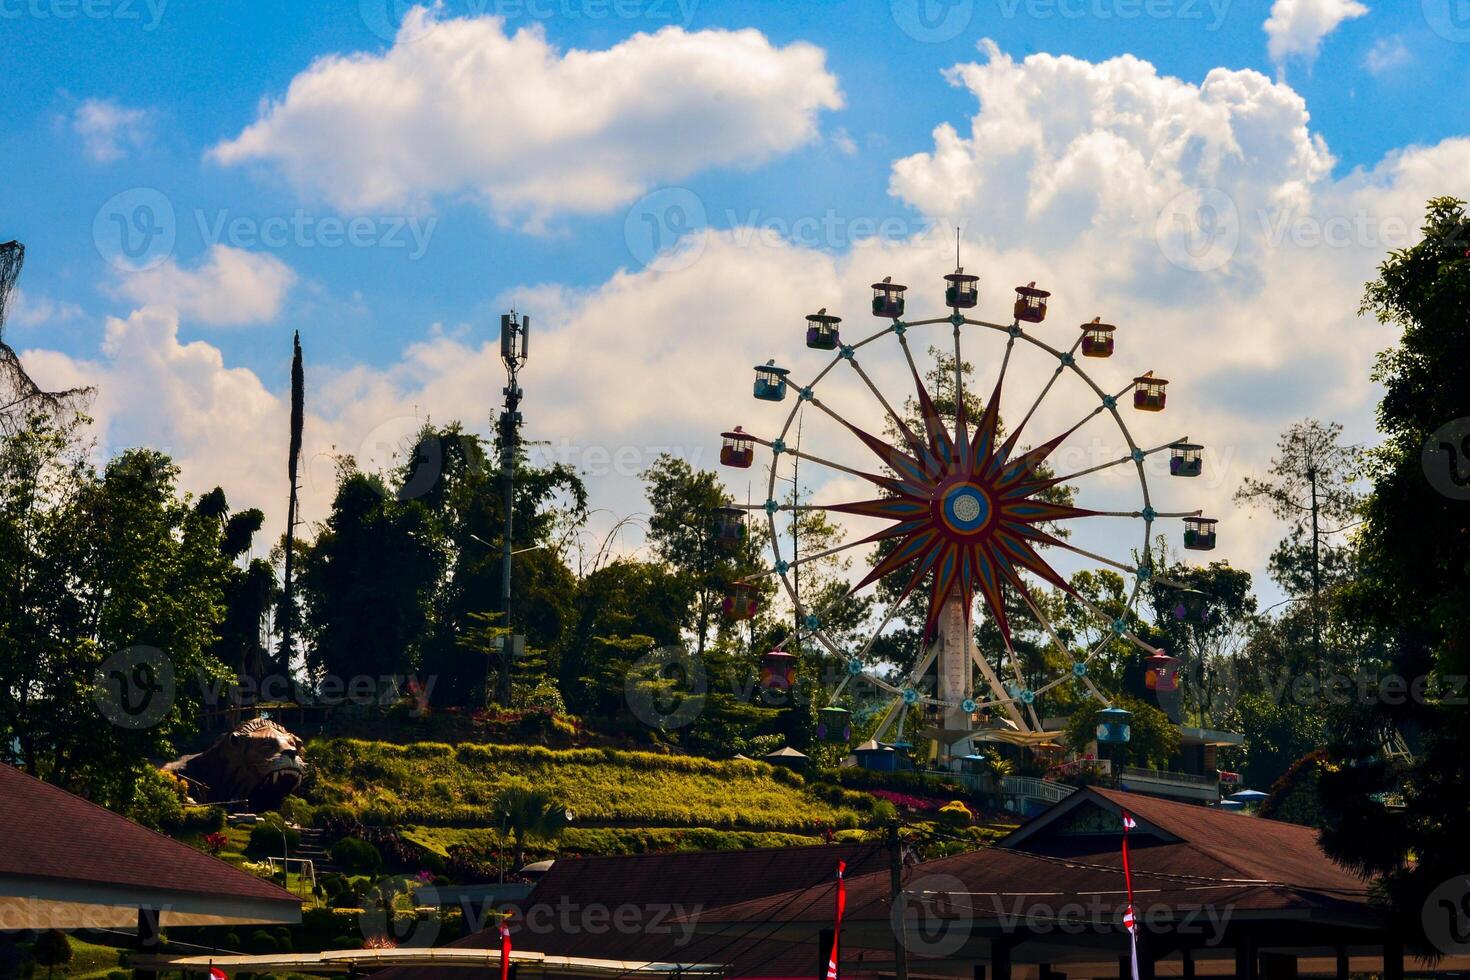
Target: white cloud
[
  {"x": 1250, "y": 344},
  {"x": 35, "y": 311},
  {"x": 530, "y": 131},
  {"x": 1295, "y": 28},
  {"x": 1386, "y": 54},
  {"x": 109, "y": 130},
  {"x": 1073, "y": 174},
  {"x": 230, "y": 287}
]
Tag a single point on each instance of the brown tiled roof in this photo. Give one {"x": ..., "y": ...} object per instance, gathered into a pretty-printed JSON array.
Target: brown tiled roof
[
  {"x": 1251, "y": 847},
  {"x": 653, "y": 890},
  {"x": 1217, "y": 860},
  {"x": 50, "y": 834}
]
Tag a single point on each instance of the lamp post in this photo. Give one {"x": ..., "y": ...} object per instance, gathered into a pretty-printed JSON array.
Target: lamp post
[{"x": 514, "y": 336}]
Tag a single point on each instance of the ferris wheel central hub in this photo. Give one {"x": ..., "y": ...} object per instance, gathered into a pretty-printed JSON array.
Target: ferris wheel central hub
[{"x": 963, "y": 507}]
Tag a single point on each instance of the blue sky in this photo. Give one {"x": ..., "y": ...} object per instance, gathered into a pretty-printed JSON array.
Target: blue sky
[
  {"x": 201, "y": 71},
  {"x": 1360, "y": 114}
]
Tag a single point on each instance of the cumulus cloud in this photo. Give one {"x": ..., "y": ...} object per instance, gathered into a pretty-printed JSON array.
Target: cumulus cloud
[
  {"x": 530, "y": 131},
  {"x": 108, "y": 130},
  {"x": 1203, "y": 219},
  {"x": 1295, "y": 28},
  {"x": 1252, "y": 336},
  {"x": 230, "y": 287}
]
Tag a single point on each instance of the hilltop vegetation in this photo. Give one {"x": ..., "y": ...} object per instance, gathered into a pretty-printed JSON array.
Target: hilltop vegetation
[{"x": 434, "y": 784}]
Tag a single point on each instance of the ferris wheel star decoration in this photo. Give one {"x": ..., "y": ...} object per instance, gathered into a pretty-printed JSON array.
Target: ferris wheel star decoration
[{"x": 964, "y": 512}]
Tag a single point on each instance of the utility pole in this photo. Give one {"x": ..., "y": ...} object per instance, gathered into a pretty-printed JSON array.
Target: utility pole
[
  {"x": 514, "y": 343},
  {"x": 895, "y": 888}
]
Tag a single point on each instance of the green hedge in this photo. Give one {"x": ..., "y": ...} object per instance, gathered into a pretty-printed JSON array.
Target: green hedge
[{"x": 430, "y": 783}]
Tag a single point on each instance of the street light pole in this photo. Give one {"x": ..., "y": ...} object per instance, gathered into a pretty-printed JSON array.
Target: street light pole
[{"x": 514, "y": 334}]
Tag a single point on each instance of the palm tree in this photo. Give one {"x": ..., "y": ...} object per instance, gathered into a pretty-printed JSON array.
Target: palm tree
[{"x": 529, "y": 813}]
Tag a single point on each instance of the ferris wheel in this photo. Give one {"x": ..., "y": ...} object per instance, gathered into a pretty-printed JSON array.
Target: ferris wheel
[{"x": 960, "y": 510}]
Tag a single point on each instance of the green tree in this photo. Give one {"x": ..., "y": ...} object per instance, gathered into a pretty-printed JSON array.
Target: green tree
[
  {"x": 529, "y": 814},
  {"x": 1409, "y": 599},
  {"x": 367, "y": 579},
  {"x": 625, "y": 598},
  {"x": 96, "y": 564},
  {"x": 683, "y": 501},
  {"x": 453, "y": 477},
  {"x": 1207, "y": 641},
  {"x": 51, "y": 949},
  {"x": 1278, "y": 732},
  {"x": 1154, "y": 739}
]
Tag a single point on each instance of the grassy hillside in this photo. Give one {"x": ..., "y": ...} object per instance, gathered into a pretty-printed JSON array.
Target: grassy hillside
[{"x": 435, "y": 785}]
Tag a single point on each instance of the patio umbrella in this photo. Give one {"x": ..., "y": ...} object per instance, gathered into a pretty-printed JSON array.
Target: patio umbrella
[{"x": 1248, "y": 796}]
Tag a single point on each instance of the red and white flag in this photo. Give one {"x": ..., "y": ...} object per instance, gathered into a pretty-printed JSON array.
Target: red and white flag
[
  {"x": 215, "y": 973},
  {"x": 1130, "y": 918},
  {"x": 837, "y": 921},
  {"x": 505, "y": 947}
]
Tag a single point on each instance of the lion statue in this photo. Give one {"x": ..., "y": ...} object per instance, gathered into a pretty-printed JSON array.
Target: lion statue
[{"x": 260, "y": 763}]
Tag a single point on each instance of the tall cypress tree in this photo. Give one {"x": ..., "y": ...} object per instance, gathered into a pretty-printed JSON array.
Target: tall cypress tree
[{"x": 298, "y": 406}]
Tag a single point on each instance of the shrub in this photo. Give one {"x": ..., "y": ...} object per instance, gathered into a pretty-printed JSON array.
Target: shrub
[
  {"x": 355, "y": 856},
  {"x": 955, "y": 812},
  {"x": 51, "y": 949},
  {"x": 266, "y": 836},
  {"x": 262, "y": 942},
  {"x": 158, "y": 800},
  {"x": 202, "y": 819}
]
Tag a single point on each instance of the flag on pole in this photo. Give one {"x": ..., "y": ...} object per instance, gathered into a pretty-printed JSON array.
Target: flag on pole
[
  {"x": 505, "y": 947},
  {"x": 1130, "y": 916},
  {"x": 215, "y": 973},
  {"x": 836, "y": 922}
]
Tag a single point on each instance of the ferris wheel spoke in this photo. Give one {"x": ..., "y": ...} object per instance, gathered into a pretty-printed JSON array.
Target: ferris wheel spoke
[
  {"x": 914, "y": 442},
  {"x": 1134, "y": 457},
  {"x": 961, "y": 414},
  {"x": 912, "y": 474},
  {"x": 940, "y": 445},
  {"x": 1115, "y": 624},
  {"x": 873, "y": 478},
  {"x": 1016, "y": 432}
]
